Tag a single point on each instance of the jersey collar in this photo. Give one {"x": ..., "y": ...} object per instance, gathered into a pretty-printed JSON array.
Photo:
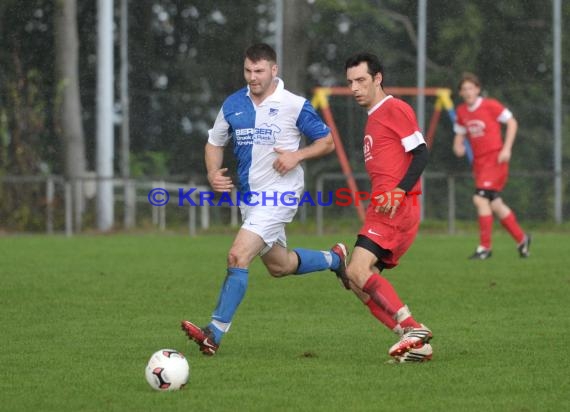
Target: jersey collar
[
  {"x": 377, "y": 105},
  {"x": 276, "y": 96},
  {"x": 475, "y": 105}
]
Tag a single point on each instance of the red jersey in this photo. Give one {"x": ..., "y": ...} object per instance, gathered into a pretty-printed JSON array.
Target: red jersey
[
  {"x": 391, "y": 133},
  {"x": 481, "y": 123}
]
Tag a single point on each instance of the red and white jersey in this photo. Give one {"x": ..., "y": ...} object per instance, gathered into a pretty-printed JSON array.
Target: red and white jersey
[
  {"x": 481, "y": 123},
  {"x": 391, "y": 133}
]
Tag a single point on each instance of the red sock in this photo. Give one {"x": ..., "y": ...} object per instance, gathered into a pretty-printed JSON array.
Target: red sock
[
  {"x": 485, "y": 231},
  {"x": 510, "y": 223},
  {"x": 381, "y": 314},
  {"x": 383, "y": 294},
  {"x": 410, "y": 322}
]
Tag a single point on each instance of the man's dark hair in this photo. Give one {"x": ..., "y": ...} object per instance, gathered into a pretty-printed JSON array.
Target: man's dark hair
[
  {"x": 261, "y": 51},
  {"x": 373, "y": 62}
]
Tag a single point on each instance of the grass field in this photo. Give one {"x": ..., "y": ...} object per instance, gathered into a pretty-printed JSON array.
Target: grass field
[{"x": 81, "y": 316}]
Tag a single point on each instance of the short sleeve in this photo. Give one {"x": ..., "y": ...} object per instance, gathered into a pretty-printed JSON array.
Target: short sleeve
[
  {"x": 403, "y": 122},
  {"x": 310, "y": 123},
  {"x": 219, "y": 134}
]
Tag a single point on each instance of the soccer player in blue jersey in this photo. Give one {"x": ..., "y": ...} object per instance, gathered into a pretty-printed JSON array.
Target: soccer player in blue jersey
[{"x": 264, "y": 122}]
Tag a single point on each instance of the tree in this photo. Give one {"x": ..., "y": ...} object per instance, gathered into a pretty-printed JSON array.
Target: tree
[
  {"x": 295, "y": 59},
  {"x": 67, "y": 109}
]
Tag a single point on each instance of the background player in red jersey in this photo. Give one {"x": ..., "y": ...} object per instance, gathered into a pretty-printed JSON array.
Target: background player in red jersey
[
  {"x": 479, "y": 120},
  {"x": 395, "y": 154}
]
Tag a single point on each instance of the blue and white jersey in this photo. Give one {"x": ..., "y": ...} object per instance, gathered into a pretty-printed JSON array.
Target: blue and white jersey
[{"x": 255, "y": 131}]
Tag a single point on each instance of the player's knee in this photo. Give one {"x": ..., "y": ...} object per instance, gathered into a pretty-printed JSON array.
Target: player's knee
[
  {"x": 356, "y": 275},
  {"x": 236, "y": 260},
  {"x": 500, "y": 208}
]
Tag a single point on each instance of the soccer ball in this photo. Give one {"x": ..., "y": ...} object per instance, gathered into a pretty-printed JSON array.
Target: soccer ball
[{"x": 167, "y": 370}]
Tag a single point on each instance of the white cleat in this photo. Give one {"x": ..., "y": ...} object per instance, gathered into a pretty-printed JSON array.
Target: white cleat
[
  {"x": 422, "y": 353},
  {"x": 411, "y": 338}
]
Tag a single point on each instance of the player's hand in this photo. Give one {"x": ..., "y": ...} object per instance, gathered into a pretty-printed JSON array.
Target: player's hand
[
  {"x": 219, "y": 182},
  {"x": 285, "y": 161},
  {"x": 504, "y": 156},
  {"x": 459, "y": 150},
  {"x": 389, "y": 202}
]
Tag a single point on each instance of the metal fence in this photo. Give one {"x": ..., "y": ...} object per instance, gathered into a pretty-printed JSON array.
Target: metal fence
[{"x": 45, "y": 204}]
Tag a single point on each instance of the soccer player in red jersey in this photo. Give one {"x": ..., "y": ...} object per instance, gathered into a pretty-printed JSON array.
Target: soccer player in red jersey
[
  {"x": 479, "y": 120},
  {"x": 395, "y": 154}
]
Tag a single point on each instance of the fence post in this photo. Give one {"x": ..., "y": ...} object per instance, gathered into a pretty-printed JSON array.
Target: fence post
[
  {"x": 451, "y": 204},
  {"x": 192, "y": 214},
  {"x": 49, "y": 204},
  {"x": 162, "y": 211},
  {"x": 319, "y": 211},
  {"x": 192, "y": 220},
  {"x": 234, "y": 210},
  {"x": 130, "y": 203},
  {"x": 205, "y": 215},
  {"x": 68, "y": 210}
]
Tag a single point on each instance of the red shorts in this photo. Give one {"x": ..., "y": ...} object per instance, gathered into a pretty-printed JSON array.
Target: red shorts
[
  {"x": 395, "y": 235},
  {"x": 488, "y": 173}
]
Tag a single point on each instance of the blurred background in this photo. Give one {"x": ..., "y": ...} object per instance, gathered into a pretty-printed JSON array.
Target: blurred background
[{"x": 139, "y": 83}]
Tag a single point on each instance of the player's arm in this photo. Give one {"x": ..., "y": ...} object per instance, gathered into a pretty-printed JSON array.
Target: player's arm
[
  {"x": 218, "y": 137},
  {"x": 510, "y": 135},
  {"x": 420, "y": 157},
  {"x": 459, "y": 145},
  {"x": 318, "y": 148},
  {"x": 286, "y": 161},
  {"x": 214, "y": 156},
  {"x": 312, "y": 126}
]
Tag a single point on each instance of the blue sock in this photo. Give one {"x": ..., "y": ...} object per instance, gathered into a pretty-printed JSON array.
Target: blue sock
[
  {"x": 218, "y": 333},
  {"x": 231, "y": 295},
  {"x": 315, "y": 260}
]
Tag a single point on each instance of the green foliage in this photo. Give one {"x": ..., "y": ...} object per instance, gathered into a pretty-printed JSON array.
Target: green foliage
[
  {"x": 84, "y": 316},
  {"x": 457, "y": 39},
  {"x": 150, "y": 164}
]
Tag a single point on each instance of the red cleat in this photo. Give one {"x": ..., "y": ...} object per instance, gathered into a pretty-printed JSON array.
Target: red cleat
[
  {"x": 342, "y": 252},
  {"x": 203, "y": 337}
]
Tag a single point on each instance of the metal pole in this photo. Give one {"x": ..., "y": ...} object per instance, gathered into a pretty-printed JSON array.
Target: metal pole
[
  {"x": 105, "y": 115},
  {"x": 319, "y": 213},
  {"x": 129, "y": 220},
  {"x": 192, "y": 220},
  {"x": 279, "y": 33},
  {"x": 451, "y": 205},
  {"x": 557, "y": 85},
  {"x": 50, "y": 189},
  {"x": 68, "y": 210},
  {"x": 421, "y": 78}
]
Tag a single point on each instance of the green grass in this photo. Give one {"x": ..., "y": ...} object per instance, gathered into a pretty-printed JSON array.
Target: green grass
[{"x": 81, "y": 316}]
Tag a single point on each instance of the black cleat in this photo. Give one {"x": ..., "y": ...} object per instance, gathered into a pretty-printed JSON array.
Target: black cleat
[
  {"x": 524, "y": 247},
  {"x": 481, "y": 254}
]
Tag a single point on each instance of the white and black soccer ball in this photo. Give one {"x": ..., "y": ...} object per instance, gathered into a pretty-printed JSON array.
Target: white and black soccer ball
[{"x": 167, "y": 370}]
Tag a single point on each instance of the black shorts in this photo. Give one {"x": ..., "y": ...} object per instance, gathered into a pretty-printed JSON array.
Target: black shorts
[{"x": 488, "y": 194}]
